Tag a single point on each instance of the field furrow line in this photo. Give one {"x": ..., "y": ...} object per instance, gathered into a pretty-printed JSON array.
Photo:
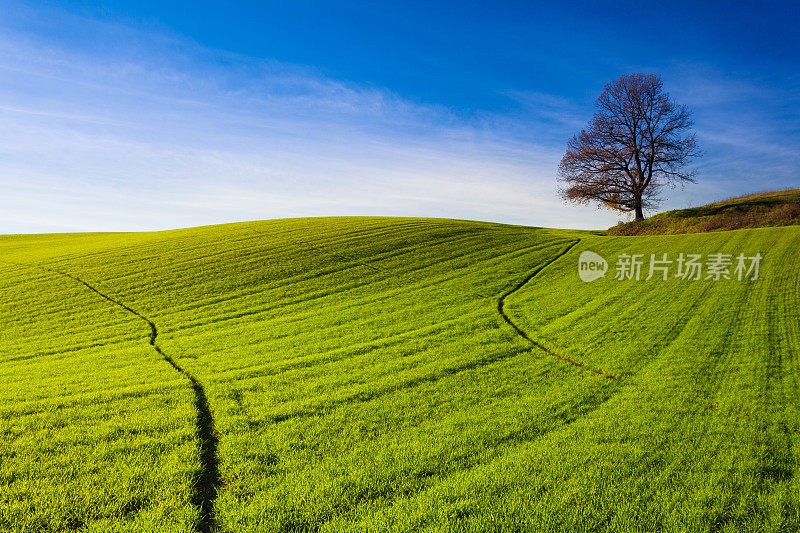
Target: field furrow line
[
  {"x": 674, "y": 332},
  {"x": 580, "y": 364},
  {"x": 207, "y": 479},
  {"x": 501, "y": 309}
]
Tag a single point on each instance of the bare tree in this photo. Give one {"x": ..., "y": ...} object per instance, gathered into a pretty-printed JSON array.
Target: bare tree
[{"x": 638, "y": 141}]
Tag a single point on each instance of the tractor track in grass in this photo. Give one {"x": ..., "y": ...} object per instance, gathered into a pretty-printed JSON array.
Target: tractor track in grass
[
  {"x": 580, "y": 364},
  {"x": 207, "y": 478},
  {"x": 501, "y": 309}
]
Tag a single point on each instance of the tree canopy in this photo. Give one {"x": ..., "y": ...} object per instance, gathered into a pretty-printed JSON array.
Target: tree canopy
[{"x": 638, "y": 141}]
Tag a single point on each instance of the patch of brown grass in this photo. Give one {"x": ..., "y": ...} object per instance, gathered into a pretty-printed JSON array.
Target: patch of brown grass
[{"x": 771, "y": 208}]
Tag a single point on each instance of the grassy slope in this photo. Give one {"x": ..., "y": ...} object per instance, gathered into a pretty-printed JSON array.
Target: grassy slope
[
  {"x": 93, "y": 426},
  {"x": 361, "y": 379},
  {"x": 767, "y": 209}
]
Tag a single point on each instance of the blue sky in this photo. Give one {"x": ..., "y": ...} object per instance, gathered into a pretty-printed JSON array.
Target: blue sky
[{"x": 152, "y": 115}]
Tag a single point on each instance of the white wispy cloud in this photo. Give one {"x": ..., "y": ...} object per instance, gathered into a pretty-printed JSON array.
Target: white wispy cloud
[
  {"x": 147, "y": 130},
  {"x": 151, "y": 131}
]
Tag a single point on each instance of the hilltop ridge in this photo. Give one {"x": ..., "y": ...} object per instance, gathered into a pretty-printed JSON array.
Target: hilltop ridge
[{"x": 758, "y": 210}]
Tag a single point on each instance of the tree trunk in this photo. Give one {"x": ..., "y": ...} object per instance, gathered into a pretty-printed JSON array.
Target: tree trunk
[{"x": 638, "y": 209}]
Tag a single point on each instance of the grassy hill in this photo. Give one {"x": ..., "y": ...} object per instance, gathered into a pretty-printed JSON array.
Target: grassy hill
[
  {"x": 395, "y": 374},
  {"x": 766, "y": 209}
]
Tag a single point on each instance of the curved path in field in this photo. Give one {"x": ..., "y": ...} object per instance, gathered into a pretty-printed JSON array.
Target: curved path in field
[
  {"x": 207, "y": 480},
  {"x": 501, "y": 309},
  {"x": 600, "y": 372}
]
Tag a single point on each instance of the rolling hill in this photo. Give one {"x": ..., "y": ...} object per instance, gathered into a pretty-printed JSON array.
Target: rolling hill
[{"x": 396, "y": 374}]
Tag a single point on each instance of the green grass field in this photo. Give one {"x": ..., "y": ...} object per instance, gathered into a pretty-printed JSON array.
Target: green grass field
[{"x": 394, "y": 374}]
